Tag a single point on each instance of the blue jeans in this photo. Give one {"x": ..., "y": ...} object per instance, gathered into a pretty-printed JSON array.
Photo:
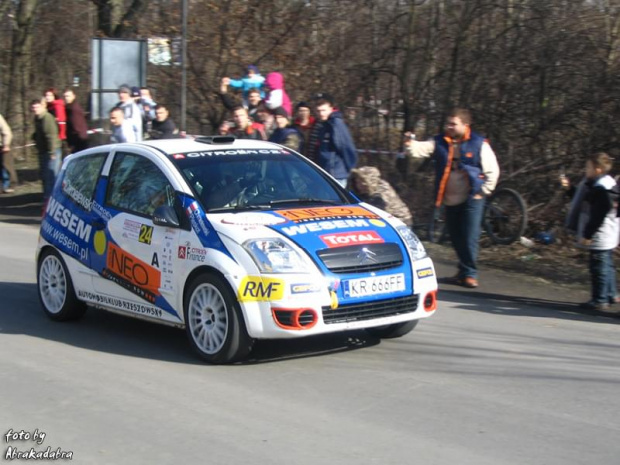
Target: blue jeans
[
  {"x": 464, "y": 223},
  {"x": 49, "y": 169},
  {"x": 603, "y": 275},
  {"x": 6, "y": 178}
]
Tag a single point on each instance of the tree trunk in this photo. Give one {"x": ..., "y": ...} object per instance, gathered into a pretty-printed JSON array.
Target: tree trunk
[
  {"x": 113, "y": 21},
  {"x": 20, "y": 69}
]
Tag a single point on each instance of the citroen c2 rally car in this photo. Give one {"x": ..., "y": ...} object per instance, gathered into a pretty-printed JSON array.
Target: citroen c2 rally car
[{"x": 234, "y": 240}]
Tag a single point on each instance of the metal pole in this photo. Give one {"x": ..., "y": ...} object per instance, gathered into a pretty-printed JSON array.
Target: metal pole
[{"x": 184, "y": 67}]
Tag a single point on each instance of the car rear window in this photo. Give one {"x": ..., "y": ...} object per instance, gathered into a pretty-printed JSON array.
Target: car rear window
[{"x": 81, "y": 177}]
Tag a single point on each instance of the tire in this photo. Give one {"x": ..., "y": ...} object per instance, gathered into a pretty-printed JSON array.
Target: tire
[
  {"x": 213, "y": 321},
  {"x": 393, "y": 331},
  {"x": 505, "y": 216},
  {"x": 437, "y": 230},
  {"x": 55, "y": 288}
]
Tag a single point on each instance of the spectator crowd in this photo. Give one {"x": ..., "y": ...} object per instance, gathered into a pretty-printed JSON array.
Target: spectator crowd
[{"x": 259, "y": 108}]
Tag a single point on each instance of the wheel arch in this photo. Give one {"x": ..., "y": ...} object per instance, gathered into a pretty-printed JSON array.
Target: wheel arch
[{"x": 207, "y": 269}]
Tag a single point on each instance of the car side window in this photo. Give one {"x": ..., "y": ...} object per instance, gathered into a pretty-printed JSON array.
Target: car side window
[
  {"x": 137, "y": 185},
  {"x": 80, "y": 178}
]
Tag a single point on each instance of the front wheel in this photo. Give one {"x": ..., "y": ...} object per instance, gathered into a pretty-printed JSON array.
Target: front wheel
[
  {"x": 392, "y": 331},
  {"x": 505, "y": 217},
  {"x": 55, "y": 288},
  {"x": 213, "y": 321}
]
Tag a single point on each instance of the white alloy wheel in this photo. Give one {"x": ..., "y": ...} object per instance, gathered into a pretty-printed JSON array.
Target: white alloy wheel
[
  {"x": 208, "y": 318},
  {"x": 52, "y": 284},
  {"x": 55, "y": 287},
  {"x": 213, "y": 320}
]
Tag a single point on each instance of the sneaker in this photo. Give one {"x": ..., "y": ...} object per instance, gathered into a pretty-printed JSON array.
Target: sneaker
[
  {"x": 615, "y": 300},
  {"x": 470, "y": 282},
  {"x": 8, "y": 191},
  {"x": 598, "y": 306}
]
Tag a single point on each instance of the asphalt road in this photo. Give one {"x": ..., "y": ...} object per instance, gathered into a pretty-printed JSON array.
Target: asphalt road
[{"x": 501, "y": 375}]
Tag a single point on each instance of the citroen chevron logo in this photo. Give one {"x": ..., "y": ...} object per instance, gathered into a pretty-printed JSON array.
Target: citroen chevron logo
[{"x": 366, "y": 256}]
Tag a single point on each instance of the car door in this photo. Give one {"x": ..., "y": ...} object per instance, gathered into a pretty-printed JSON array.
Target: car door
[{"x": 135, "y": 256}]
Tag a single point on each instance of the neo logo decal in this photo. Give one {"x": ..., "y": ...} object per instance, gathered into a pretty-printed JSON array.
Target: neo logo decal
[
  {"x": 132, "y": 273},
  {"x": 301, "y": 215}
]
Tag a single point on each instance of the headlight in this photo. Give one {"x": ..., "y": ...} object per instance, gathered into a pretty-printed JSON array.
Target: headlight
[
  {"x": 416, "y": 249},
  {"x": 275, "y": 256}
]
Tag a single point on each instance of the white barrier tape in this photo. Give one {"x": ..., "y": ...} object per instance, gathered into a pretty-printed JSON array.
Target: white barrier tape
[
  {"x": 90, "y": 131},
  {"x": 22, "y": 146},
  {"x": 381, "y": 152}
]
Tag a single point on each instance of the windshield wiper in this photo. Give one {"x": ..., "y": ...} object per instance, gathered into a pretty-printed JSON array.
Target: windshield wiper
[
  {"x": 305, "y": 200},
  {"x": 239, "y": 207}
]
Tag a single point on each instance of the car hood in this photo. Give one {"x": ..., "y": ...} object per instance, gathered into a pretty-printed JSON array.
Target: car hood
[{"x": 318, "y": 230}]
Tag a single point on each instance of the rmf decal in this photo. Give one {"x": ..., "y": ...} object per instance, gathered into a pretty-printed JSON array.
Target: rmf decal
[{"x": 258, "y": 289}]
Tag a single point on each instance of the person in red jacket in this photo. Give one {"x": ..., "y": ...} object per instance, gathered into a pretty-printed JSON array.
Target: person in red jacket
[{"x": 56, "y": 106}]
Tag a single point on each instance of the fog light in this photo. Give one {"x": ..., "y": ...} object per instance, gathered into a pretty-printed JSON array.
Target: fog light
[{"x": 430, "y": 301}]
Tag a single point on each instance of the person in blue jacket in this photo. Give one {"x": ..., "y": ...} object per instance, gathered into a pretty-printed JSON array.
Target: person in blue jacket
[
  {"x": 336, "y": 153},
  {"x": 252, "y": 80}
]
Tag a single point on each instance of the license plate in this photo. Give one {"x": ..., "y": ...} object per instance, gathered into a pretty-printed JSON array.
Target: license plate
[{"x": 374, "y": 285}]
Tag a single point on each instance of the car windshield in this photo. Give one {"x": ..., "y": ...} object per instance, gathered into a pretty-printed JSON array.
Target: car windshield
[{"x": 257, "y": 181}]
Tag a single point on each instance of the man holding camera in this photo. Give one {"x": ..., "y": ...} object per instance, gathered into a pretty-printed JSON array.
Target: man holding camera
[{"x": 466, "y": 171}]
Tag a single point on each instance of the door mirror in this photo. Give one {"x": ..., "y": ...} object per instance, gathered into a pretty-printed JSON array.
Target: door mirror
[{"x": 165, "y": 215}]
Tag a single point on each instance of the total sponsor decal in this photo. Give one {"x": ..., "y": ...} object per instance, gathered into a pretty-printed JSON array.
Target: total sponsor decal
[
  {"x": 260, "y": 289},
  {"x": 121, "y": 304},
  {"x": 194, "y": 213},
  {"x": 351, "y": 238},
  {"x": 196, "y": 254},
  {"x": 330, "y": 225},
  {"x": 302, "y": 215},
  {"x": 69, "y": 220},
  {"x": 425, "y": 273},
  {"x": 132, "y": 273}
]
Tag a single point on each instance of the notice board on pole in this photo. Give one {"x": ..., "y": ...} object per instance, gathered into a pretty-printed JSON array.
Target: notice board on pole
[{"x": 115, "y": 62}]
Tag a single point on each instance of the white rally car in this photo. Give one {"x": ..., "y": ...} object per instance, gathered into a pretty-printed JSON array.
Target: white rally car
[{"x": 234, "y": 240}]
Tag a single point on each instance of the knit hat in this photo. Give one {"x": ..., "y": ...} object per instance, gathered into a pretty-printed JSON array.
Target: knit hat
[
  {"x": 124, "y": 89},
  {"x": 280, "y": 111},
  {"x": 324, "y": 96},
  {"x": 253, "y": 68}
]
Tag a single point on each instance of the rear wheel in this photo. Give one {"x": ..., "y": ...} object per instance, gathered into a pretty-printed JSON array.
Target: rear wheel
[
  {"x": 213, "y": 321},
  {"x": 393, "y": 331},
  {"x": 505, "y": 217},
  {"x": 55, "y": 288}
]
